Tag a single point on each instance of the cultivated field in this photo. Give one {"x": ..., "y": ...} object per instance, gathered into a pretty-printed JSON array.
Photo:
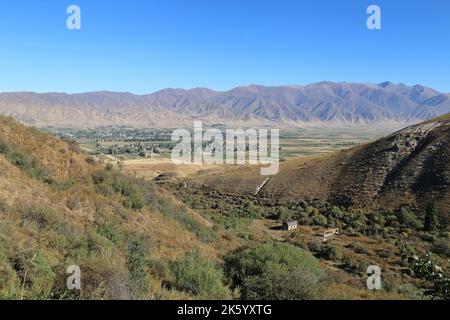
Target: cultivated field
[{"x": 308, "y": 143}]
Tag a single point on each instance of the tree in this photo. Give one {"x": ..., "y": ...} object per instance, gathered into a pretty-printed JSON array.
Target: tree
[{"x": 432, "y": 216}]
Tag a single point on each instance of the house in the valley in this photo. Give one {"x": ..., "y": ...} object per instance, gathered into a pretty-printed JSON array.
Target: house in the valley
[
  {"x": 330, "y": 233},
  {"x": 290, "y": 225}
]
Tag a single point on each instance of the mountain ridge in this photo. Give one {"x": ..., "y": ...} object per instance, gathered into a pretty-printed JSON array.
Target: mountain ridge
[{"x": 291, "y": 105}]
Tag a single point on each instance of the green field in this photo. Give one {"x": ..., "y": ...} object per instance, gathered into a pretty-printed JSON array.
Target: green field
[{"x": 309, "y": 142}]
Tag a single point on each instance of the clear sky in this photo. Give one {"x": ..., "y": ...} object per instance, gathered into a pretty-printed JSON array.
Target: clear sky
[{"x": 145, "y": 45}]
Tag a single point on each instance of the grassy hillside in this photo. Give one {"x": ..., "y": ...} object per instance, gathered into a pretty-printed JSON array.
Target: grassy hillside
[
  {"x": 59, "y": 207},
  {"x": 134, "y": 239}
]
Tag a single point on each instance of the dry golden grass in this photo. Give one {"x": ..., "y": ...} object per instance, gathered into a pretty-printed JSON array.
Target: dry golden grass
[{"x": 78, "y": 209}]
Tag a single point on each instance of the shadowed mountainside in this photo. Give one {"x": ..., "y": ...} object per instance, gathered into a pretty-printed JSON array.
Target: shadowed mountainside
[{"x": 411, "y": 166}]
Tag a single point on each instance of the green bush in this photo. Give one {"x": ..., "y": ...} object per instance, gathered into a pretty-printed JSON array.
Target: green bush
[
  {"x": 354, "y": 265},
  {"x": 282, "y": 214},
  {"x": 320, "y": 220},
  {"x": 199, "y": 277},
  {"x": 331, "y": 253},
  {"x": 259, "y": 259},
  {"x": 311, "y": 211},
  {"x": 408, "y": 219},
  {"x": 20, "y": 160},
  {"x": 250, "y": 210},
  {"x": 283, "y": 283},
  {"x": 4, "y": 147},
  {"x": 315, "y": 246}
]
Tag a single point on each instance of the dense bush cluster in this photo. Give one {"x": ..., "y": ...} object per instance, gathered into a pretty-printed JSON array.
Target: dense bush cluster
[
  {"x": 198, "y": 276},
  {"x": 274, "y": 271},
  {"x": 366, "y": 222}
]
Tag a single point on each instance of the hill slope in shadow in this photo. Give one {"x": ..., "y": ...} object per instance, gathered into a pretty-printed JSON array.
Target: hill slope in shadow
[{"x": 411, "y": 166}]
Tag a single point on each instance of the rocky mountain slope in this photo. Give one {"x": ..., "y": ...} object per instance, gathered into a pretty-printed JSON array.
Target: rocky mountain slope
[
  {"x": 340, "y": 103},
  {"x": 411, "y": 166}
]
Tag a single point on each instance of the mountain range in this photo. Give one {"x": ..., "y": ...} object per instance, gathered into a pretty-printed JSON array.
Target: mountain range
[{"x": 333, "y": 103}]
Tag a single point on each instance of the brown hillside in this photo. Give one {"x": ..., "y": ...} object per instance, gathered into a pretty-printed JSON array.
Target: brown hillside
[
  {"x": 411, "y": 166},
  {"x": 59, "y": 207}
]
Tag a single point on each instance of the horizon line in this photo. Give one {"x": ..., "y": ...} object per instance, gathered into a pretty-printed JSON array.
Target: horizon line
[{"x": 219, "y": 91}]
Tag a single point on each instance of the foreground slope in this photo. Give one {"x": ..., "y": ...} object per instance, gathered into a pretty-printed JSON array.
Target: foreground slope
[{"x": 60, "y": 207}]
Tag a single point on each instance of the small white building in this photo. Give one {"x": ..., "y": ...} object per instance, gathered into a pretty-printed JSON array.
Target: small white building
[
  {"x": 330, "y": 233},
  {"x": 290, "y": 225}
]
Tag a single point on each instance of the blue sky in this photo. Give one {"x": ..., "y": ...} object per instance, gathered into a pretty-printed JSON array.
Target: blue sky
[{"x": 145, "y": 45}]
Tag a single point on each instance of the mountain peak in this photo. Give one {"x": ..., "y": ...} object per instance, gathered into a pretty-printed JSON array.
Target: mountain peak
[
  {"x": 385, "y": 84},
  {"x": 326, "y": 101}
]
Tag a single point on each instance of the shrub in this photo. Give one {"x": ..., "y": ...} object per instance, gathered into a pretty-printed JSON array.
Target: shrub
[
  {"x": 20, "y": 160},
  {"x": 36, "y": 216},
  {"x": 3, "y": 205},
  {"x": 199, "y": 277},
  {"x": 259, "y": 259},
  {"x": 320, "y": 220},
  {"x": 311, "y": 211},
  {"x": 353, "y": 265},
  {"x": 336, "y": 213},
  {"x": 331, "y": 253},
  {"x": 134, "y": 201},
  {"x": 4, "y": 147},
  {"x": 250, "y": 210},
  {"x": 408, "y": 219},
  {"x": 315, "y": 246},
  {"x": 283, "y": 284},
  {"x": 282, "y": 214}
]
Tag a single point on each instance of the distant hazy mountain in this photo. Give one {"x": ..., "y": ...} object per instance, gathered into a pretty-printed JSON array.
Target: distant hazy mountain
[{"x": 340, "y": 103}]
